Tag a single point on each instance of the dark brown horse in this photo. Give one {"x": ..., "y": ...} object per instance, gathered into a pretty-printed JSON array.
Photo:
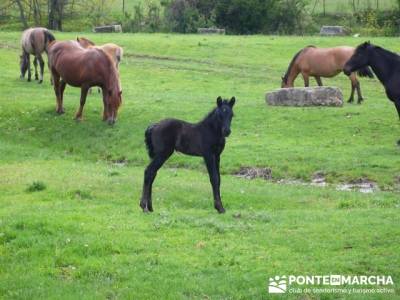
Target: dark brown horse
[
  {"x": 71, "y": 64},
  {"x": 34, "y": 41},
  {"x": 323, "y": 62}
]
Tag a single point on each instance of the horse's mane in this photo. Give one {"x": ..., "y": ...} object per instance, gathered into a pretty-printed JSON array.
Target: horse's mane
[
  {"x": 388, "y": 54},
  {"x": 285, "y": 77}
]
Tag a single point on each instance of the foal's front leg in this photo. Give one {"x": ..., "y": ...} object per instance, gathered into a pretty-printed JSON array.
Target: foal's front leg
[{"x": 212, "y": 162}]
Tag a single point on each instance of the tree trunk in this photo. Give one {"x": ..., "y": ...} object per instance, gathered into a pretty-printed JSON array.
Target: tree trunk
[
  {"x": 56, "y": 8},
  {"x": 22, "y": 14}
]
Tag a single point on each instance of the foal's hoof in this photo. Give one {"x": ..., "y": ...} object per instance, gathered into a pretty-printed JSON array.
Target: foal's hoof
[
  {"x": 40, "y": 81},
  {"x": 221, "y": 210},
  {"x": 60, "y": 111},
  {"x": 398, "y": 143},
  {"x": 350, "y": 100},
  {"x": 360, "y": 100}
]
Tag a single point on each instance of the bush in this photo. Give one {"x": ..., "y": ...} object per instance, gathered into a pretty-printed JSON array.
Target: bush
[{"x": 36, "y": 186}]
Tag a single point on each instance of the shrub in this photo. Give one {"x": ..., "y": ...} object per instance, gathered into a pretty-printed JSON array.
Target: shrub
[{"x": 36, "y": 186}]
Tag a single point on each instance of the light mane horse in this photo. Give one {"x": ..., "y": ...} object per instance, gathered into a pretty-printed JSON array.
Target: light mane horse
[
  {"x": 72, "y": 64},
  {"x": 111, "y": 49},
  {"x": 323, "y": 62},
  {"x": 34, "y": 41}
]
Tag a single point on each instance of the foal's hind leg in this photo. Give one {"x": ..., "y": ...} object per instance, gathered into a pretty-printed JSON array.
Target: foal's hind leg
[
  {"x": 149, "y": 175},
  {"x": 41, "y": 63}
]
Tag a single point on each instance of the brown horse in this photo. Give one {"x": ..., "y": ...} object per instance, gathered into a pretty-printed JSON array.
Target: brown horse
[
  {"x": 113, "y": 50},
  {"x": 34, "y": 41},
  {"x": 84, "y": 68},
  {"x": 323, "y": 62}
]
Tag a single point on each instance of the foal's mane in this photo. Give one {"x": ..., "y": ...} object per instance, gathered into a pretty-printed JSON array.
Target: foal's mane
[
  {"x": 285, "y": 77},
  {"x": 211, "y": 114}
]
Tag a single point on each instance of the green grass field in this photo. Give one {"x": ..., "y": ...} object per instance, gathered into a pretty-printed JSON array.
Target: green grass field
[{"x": 70, "y": 224}]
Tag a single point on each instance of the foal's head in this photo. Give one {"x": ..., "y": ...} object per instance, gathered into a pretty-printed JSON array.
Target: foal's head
[
  {"x": 23, "y": 62},
  {"x": 359, "y": 59},
  {"x": 224, "y": 114}
]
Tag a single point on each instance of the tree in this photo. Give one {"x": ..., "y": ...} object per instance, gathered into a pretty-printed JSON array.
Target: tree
[
  {"x": 22, "y": 14},
  {"x": 56, "y": 13}
]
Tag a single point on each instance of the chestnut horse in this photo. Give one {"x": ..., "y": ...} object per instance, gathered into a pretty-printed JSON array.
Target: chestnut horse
[
  {"x": 34, "y": 41},
  {"x": 113, "y": 50},
  {"x": 323, "y": 62},
  {"x": 71, "y": 64}
]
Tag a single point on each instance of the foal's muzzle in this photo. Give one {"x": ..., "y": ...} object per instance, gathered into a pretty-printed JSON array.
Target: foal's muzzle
[{"x": 226, "y": 132}]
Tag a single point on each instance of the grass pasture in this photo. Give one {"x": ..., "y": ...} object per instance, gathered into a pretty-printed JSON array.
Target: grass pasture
[{"x": 70, "y": 224}]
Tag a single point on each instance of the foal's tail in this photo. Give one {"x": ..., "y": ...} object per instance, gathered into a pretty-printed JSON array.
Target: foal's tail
[
  {"x": 365, "y": 72},
  {"x": 148, "y": 141}
]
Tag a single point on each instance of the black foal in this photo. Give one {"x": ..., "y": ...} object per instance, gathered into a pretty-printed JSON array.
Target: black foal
[{"x": 206, "y": 139}]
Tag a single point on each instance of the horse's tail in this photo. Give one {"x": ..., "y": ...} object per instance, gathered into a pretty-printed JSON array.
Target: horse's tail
[
  {"x": 148, "y": 141},
  {"x": 48, "y": 38},
  {"x": 365, "y": 72}
]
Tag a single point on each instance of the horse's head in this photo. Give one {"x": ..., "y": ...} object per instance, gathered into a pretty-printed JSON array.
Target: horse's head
[
  {"x": 224, "y": 112},
  {"x": 84, "y": 42},
  {"x": 23, "y": 62},
  {"x": 284, "y": 83},
  {"x": 358, "y": 60},
  {"x": 113, "y": 103}
]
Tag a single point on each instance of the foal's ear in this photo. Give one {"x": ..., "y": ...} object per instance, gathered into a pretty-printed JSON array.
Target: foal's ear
[
  {"x": 219, "y": 101},
  {"x": 232, "y": 102}
]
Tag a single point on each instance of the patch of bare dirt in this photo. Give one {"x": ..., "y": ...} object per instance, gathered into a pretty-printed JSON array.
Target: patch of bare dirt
[
  {"x": 363, "y": 185},
  {"x": 252, "y": 173}
]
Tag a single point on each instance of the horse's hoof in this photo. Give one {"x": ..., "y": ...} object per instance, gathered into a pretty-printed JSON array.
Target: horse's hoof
[
  {"x": 60, "y": 111},
  {"x": 350, "y": 101},
  {"x": 78, "y": 119},
  {"x": 221, "y": 210},
  {"x": 40, "y": 81},
  {"x": 398, "y": 143},
  {"x": 29, "y": 79}
]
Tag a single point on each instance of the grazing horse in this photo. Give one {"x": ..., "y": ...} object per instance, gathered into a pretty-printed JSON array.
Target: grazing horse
[
  {"x": 34, "y": 41},
  {"x": 323, "y": 62},
  {"x": 206, "y": 139},
  {"x": 113, "y": 50},
  {"x": 384, "y": 63},
  {"x": 84, "y": 68}
]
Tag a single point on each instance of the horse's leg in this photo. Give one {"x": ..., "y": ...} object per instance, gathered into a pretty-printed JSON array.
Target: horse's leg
[
  {"x": 35, "y": 65},
  {"x": 149, "y": 175},
  {"x": 41, "y": 62},
  {"x": 211, "y": 163},
  {"x": 29, "y": 66},
  {"x": 360, "y": 97},
  {"x": 62, "y": 89},
  {"x": 105, "y": 111},
  {"x": 306, "y": 79},
  {"x": 57, "y": 84},
  {"x": 353, "y": 86},
  {"x": 397, "y": 104},
  {"x": 318, "y": 79},
  {"x": 84, "y": 91}
]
